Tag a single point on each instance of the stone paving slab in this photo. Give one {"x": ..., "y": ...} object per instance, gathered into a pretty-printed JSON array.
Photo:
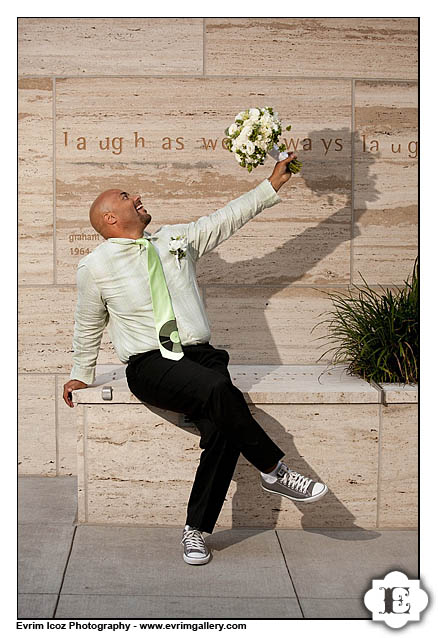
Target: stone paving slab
[
  {"x": 138, "y": 572},
  {"x": 36, "y": 605},
  {"x": 42, "y": 554},
  {"x": 342, "y": 564},
  {"x": 351, "y": 608},
  {"x": 148, "y": 561},
  {"x": 44, "y": 500},
  {"x": 175, "y": 607}
]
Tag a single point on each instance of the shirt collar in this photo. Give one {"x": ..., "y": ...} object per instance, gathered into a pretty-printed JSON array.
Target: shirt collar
[{"x": 128, "y": 240}]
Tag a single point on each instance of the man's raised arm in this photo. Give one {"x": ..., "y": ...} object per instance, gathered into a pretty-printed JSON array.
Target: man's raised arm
[
  {"x": 91, "y": 317},
  {"x": 211, "y": 230}
]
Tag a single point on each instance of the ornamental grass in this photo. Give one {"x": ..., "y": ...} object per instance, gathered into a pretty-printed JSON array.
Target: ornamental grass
[{"x": 376, "y": 335}]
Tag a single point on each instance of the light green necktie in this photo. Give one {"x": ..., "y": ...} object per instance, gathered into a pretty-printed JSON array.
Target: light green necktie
[{"x": 165, "y": 323}]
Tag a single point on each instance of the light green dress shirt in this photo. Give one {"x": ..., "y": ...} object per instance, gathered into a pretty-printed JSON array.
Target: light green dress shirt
[{"x": 113, "y": 285}]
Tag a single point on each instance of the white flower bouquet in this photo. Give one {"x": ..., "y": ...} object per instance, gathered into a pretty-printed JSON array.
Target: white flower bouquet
[{"x": 255, "y": 134}]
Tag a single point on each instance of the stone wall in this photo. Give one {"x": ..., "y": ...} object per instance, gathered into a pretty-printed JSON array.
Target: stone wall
[{"x": 142, "y": 103}]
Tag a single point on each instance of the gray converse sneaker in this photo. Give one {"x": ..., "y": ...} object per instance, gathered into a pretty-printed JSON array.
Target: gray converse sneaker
[
  {"x": 295, "y": 486},
  {"x": 195, "y": 549}
]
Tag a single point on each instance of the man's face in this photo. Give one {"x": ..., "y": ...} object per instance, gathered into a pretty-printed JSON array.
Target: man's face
[{"x": 129, "y": 210}]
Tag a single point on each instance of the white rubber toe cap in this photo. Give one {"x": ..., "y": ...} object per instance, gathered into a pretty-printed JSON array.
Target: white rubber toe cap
[{"x": 319, "y": 489}]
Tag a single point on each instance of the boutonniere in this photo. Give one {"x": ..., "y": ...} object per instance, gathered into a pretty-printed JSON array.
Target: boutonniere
[{"x": 178, "y": 247}]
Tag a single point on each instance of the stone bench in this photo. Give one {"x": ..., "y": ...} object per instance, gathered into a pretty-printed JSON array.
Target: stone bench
[{"x": 136, "y": 463}]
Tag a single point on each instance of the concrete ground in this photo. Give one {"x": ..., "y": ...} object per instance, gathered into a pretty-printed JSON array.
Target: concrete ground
[{"x": 113, "y": 572}]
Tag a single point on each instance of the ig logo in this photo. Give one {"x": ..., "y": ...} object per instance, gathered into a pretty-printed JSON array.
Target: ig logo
[{"x": 396, "y": 600}]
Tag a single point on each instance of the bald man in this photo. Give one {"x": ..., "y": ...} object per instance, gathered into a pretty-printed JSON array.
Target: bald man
[
  {"x": 114, "y": 213},
  {"x": 113, "y": 289}
]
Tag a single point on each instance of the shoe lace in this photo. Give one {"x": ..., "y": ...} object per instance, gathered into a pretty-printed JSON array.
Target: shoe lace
[
  {"x": 193, "y": 540},
  {"x": 295, "y": 481}
]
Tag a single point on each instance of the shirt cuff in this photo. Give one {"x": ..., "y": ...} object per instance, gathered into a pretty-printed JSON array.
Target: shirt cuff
[
  {"x": 268, "y": 192},
  {"x": 86, "y": 375}
]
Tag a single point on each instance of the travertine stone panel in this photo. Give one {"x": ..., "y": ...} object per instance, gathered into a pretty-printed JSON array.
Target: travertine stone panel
[
  {"x": 297, "y": 241},
  {"x": 82, "y": 465},
  {"x": 334, "y": 443},
  {"x": 196, "y": 175},
  {"x": 35, "y": 181},
  {"x": 36, "y": 425},
  {"x": 326, "y": 47},
  {"x": 45, "y": 330},
  {"x": 67, "y": 434},
  {"x": 398, "y": 497},
  {"x": 109, "y": 46},
  {"x": 127, "y": 446},
  {"x": 386, "y": 181},
  {"x": 262, "y": 324}
]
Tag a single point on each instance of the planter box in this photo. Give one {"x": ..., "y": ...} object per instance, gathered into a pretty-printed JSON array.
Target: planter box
[
  {"x": 136, "y": 463},
  {"x": 398, "y": 484}
]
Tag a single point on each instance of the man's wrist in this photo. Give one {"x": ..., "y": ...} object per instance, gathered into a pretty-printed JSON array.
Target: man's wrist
[{"x": 274, "y": 183}]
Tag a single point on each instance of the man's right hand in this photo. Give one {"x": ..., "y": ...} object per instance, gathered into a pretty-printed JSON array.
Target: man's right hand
[
  {"x": 281, "y": 174},
  {"x": 73, "y": 384}
]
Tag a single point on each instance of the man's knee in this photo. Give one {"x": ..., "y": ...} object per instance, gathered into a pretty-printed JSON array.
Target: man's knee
[
  {"x": 219, "y": 390},
  {"x": 220, "y": 385}
]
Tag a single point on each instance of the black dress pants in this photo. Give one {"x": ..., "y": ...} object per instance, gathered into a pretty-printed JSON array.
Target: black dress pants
[{"x": 199, "y": 385}]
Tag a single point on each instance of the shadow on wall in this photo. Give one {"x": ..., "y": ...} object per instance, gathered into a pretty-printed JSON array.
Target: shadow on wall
[
  {"x": 297, "y": 256},
  {"x": 326, "y": 178}
]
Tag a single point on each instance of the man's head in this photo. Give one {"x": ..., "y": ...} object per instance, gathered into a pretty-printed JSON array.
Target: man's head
[{"x": 116, "y": 213}]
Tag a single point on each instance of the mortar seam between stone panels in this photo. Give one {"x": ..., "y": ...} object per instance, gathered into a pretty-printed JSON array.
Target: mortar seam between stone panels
[
  {"x": 54, "y": 175},
  {"x": 353, "y": 127},
  {"x": 289, "y": 573},
  {"x": 84, "y": 451},
  {"x": 242, "y": 285},
  {"x": 293, "y": 285},
  {"x": 379, "y": 453},
  {"x": 276, "y": 365},
  {"x": 64, "y": 571},
  {"x": 213, "y": 77},
  {"x": 56, "y": 426},
  {"x": 203, "y": 47},
  {"x": 149, "y": 595}
]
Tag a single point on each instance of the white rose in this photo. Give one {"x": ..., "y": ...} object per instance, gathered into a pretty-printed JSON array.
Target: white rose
[
  {"x": 233, "y": 128},
  {"x": 241, "y": 116},
  {"x": 175, "y": 244},
  {"x": 250, "y": 148},
  {"x": 254, "y": 114},
  {"x": 242, "y": 139}
]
